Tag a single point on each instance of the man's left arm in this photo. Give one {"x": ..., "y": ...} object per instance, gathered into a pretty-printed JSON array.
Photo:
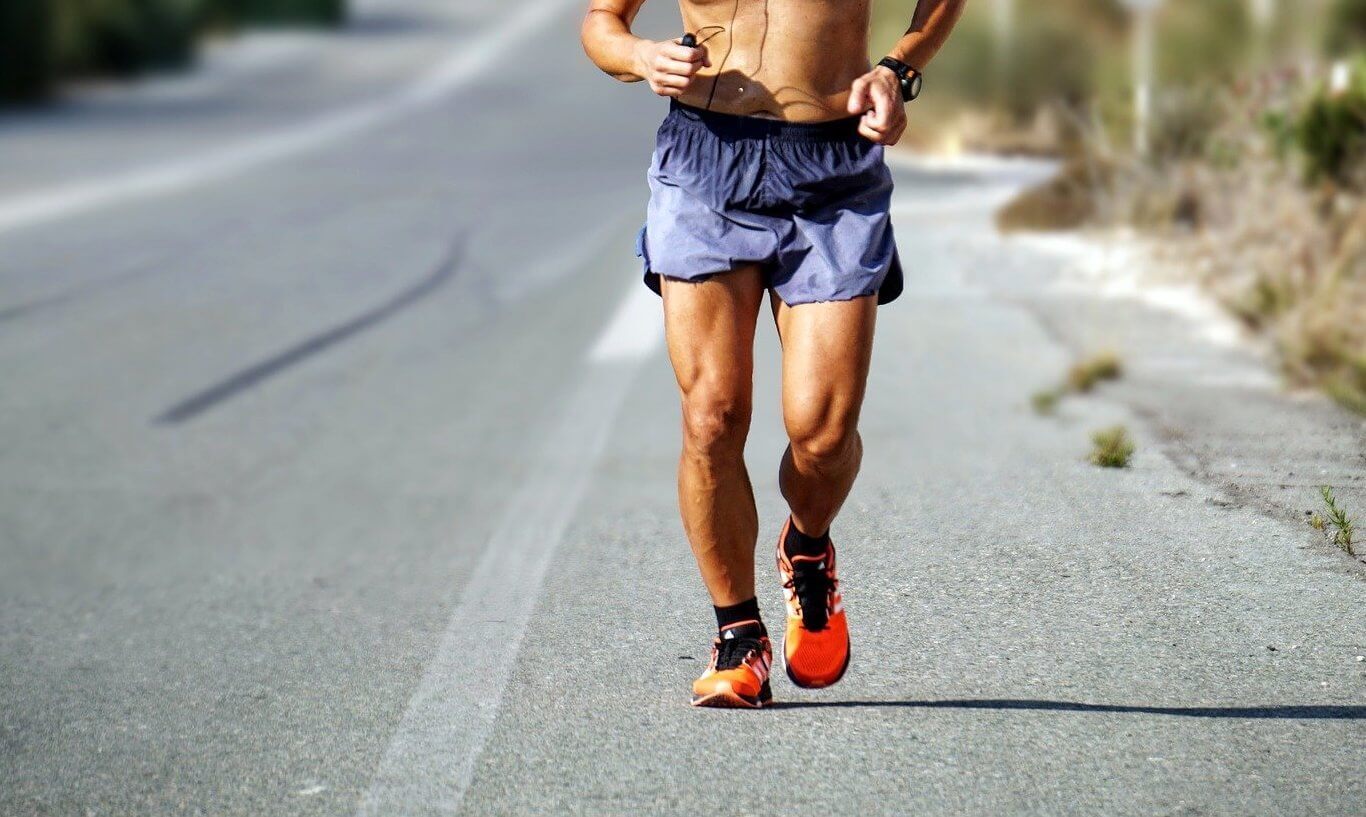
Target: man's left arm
[{"x": 877, "y": 94}]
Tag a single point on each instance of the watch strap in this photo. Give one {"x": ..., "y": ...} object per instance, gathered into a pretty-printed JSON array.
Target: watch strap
[
  {"x": 901, "y": 69},
  {"x": 907, "y": 76}
]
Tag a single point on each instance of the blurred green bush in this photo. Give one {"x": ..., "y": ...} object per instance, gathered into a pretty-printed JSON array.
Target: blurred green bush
[
  {"x": 1050, "y": 52},
  {"x": 1331, "y": 132},
  {"x": 1346, "y": 29},
  {"x": 27, "y": 57},
  {"x": 234, "y": 13},
  {"x": 123, "y": 37},
  {"x": 44, "y": 41}
]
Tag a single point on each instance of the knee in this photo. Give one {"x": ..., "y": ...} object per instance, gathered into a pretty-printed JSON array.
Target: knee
[
  {"x": 715, "y": 423},
  {"x": 822, "y": 437}
]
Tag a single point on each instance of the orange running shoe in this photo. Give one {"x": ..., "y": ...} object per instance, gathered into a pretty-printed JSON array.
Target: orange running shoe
[
  {"x": 816, "y": 644},
  {"x": 737, "y": 677}
]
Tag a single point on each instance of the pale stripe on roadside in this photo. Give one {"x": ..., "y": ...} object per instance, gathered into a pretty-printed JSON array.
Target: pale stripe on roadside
[
  {"x": 467, "y": 63},
  {"x": 430, "y": 759}
]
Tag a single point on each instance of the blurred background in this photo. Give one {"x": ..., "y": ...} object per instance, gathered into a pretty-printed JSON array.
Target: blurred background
[
  {"x": 312, "y": 310},
  {"x": 1238, "y": 120},
  {"x": 47, "y": 43},
  {"x": 1233, "y": 129}
]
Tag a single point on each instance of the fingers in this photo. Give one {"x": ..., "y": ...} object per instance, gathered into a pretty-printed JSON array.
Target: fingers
[
  {"x": 677, "y": 68},
  {"x": 673, "y": 66},
  {"x": 878, "y": 98},
  {"x": 874, "y": 136},
  {"x": 887, "y": 136},
  {"x": 880, "y": 116},
  {"x": 673, "y": 81},
  {"x": 882, "y": 134},
  {"x": 859, "y": 101},
  {"x": 682, "y": 53}
]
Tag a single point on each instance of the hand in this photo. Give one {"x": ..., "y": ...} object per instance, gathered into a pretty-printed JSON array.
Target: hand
[
  {"x": 877, "y": 95},
  {"x": 668, "y": 66}
]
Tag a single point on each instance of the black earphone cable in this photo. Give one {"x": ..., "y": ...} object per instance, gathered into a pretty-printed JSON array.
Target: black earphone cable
[
  {"x": 714, "y": 31},
  {"x": 730, "y": 44}
]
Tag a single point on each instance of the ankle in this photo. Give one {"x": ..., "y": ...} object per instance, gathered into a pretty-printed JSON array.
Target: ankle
[
  {"x": 796, "y": 543},
  {"x": 740, "y": 620}
]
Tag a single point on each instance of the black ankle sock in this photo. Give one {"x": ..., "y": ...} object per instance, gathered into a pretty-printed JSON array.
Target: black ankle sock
[
  {"x": 797, "y": 543},
  {"x": 740, "y": 620}
]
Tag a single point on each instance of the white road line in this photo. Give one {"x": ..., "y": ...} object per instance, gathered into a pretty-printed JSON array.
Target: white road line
[
  {"x": 567, "y": 257},
  {"x": 463, "y": 66},
  {"x": 635, "y": 329},
  {"x": 430, "y": 759},
  {"x": 984, "y": 163}
]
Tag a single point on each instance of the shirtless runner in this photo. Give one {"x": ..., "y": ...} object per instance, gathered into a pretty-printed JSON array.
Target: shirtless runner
[{"x": 768, "y": 175}]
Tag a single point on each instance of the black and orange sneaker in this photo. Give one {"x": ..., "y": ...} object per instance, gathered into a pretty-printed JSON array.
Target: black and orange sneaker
[
  {"x": 737, "y": 677},
  {"x": 816, "y": 643}
]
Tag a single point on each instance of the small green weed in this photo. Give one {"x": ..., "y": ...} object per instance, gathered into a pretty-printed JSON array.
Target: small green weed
[
  {"x": 1084, "y": 376},
  {"x": 1045, "y": 401},
  {"x": 1112, "y": 447},
  {"x": 1343, "y": 527}
]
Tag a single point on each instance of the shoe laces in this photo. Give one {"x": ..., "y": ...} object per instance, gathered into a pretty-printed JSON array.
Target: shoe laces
[
  {"x": 812, "y": 584},
  {"x": 732, "y": 652}
]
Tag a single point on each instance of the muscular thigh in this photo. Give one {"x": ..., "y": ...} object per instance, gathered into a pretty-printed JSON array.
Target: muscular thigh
[
  {"x": 709, "y": 327},
  {"x": 826, "y": 351}
]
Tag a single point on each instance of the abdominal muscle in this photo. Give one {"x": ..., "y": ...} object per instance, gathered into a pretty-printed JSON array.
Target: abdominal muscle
[{"x": 788, "y": 59}]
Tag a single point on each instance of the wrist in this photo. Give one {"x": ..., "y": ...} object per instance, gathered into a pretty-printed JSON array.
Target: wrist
[
  {"x": 884, "y": 70},
  {"x": 908, "y": 77},
  {"x": 640, "y": 57}
]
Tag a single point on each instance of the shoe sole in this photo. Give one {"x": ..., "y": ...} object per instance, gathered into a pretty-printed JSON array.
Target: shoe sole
[{"x": 729, "y": 699}]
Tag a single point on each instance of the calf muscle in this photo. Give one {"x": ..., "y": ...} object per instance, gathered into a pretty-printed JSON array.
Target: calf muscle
[{"x": 709, "y": 328}]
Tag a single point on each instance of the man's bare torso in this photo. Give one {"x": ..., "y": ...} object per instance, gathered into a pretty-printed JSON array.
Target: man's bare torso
[{"x": 785, "y": 59}]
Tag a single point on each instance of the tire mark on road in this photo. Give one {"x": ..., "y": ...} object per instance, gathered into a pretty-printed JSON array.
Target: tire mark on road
[
  {"x": 257, "y": 373},
  {"x": 140, "y": 268}
]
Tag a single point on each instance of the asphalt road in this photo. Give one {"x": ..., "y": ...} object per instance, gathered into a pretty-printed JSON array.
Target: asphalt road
[{"x": 336, "y": 458}]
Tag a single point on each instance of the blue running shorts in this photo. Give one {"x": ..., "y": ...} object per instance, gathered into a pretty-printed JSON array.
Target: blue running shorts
[{"x": 809, "y": 203}]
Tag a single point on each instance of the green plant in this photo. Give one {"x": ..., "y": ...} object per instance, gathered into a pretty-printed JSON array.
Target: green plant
[
  {"x": 1045, "y": 401},
  {"x": 1084, "y": 376},
  {"x": 1346, "y": 27},
  {"x": 1344, "y": 528},
  {"x": 1112, "y": 447},
  {"x": 1331, "y": 131},
  {"x": 1185, "y": 121},
  {"x": 1081, "y": 377},
  {"x": 1280, "y": 129}
]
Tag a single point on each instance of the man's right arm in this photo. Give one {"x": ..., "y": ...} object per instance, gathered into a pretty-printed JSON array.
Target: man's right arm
[{"x": 607, "y": 38}]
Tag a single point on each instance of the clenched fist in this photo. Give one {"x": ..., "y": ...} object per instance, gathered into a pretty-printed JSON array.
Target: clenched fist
[
  {"x": 877, "y": 95},
  {"x": 668, "y": 66}
]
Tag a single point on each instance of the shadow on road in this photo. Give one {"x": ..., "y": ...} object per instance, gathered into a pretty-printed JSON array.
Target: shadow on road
[{"x": 1302, "y": 712}]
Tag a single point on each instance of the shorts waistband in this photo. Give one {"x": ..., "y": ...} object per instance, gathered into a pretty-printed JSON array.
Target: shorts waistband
[{"x": 734, "y": 126}]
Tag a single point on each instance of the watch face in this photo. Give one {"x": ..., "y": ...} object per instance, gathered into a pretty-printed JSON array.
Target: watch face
[{"x": 913, "y": 86}]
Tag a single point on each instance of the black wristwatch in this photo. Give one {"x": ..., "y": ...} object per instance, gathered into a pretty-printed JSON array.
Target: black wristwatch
[{"x": 910, "y": 78}]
